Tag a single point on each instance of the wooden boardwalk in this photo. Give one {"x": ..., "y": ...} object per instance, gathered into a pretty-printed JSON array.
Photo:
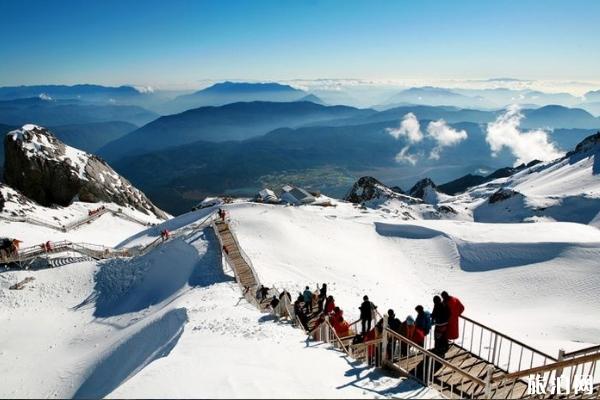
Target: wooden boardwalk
[{"x": 483, "y": 363}]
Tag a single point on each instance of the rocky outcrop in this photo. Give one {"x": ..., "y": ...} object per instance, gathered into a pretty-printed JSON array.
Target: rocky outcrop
[
  {"x": 368, "y": 188},
  {"x": 590, "y": 143},
  {"x": 46, "y": 170},
  {"x": 503, "y": 194},
  {"x": 419, "y": 190}
]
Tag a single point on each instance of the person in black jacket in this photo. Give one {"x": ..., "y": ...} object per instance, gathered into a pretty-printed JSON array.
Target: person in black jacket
[
  {"x": 366, "y": 314},
  {"x": 322, "y": 296},
  {"x": 274, "y": 302},
  {"x": 439, "y": 317},
  {"x": 394, "y": 324}
]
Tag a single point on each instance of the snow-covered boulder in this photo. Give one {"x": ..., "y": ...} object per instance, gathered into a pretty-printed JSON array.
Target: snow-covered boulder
[{"x": 46, "y": 170}]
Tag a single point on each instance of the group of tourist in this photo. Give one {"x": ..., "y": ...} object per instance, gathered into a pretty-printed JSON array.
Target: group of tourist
[
  {"x": 47, "y": 247},
  {"x": 443, "y": 319},
  {"x": 319, "y": 306},
  {"x": 9, "y": 248},
  {"x": 96, "y": 211}
]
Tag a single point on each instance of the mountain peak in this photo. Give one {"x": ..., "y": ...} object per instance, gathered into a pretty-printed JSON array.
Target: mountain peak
[
  {"x": 419, "y": 190},
  {"x": 368, "y": 188},
  {"x": 46, "y": 170},
  {"x": 228, "y": 87}
]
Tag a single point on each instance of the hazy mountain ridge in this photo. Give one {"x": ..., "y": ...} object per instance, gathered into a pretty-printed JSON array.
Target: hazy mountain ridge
[
  {"x": 230, "y": 122},
  {"x": 71, "y": 111}
]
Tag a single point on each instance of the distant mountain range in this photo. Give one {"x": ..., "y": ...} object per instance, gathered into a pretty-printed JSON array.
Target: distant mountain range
[
  {"x": 235, "y": 121},
  {"x": 245, "y": 142},
  {"x": 239, "y": 121},
  {"x": 232, "y": 92},
  {"x": 177, "y": 177},
  {"x": 62, "y": 112},
  {"x": 480, "y": 98},
  {"x": 434, "y": 96},
  {"x": 81, "y": 92}
]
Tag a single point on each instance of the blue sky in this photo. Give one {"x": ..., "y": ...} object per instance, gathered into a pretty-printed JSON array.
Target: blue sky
[{"x": 186, "y": 42}]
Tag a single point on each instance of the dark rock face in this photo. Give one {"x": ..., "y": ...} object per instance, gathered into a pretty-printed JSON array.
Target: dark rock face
[
  {"x": 368, "y": 188},
  {"x": 589, "y": 143},
  {"x": 365, "y": 189},
  {"x": 418, "y": 190},
  {"x": 447, "y": 210},
  {"x": 503, "y": 194},
  {"x": 461, "y": 184},
  {"x": 46, "y": 170}
]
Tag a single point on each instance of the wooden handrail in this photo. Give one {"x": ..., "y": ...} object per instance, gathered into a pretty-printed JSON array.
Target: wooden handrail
[
  {"x": 510, "y": 338},
  {"x": 436, "y": 357},
  {"x": 582, "y": 351},
  {"x": 365, "y": 344},
  {"x": 337, "y": 337},
  {"x": 548, "y": 367}
]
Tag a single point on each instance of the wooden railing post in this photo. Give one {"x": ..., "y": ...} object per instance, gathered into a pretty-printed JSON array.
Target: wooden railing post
[
  {"x": 494, "y": 348},
  {"x": 561, "y": 357},
  {"x": 488, "y": 382},
  {"x": 385, "y": 338}
]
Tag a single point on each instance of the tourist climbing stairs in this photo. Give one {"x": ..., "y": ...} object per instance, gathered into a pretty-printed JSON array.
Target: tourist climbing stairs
[
  {"x": 481, "y": 363},
  {"x": 28, "y": 256},
  {"x": 76, "y": 223}
]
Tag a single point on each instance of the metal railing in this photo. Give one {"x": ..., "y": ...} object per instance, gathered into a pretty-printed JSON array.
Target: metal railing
[
  {"x": 499, "y": 362},
  {"x": 413, "y": 360},
  {"x": 76, "y": 223},
  {"x": 95, "y": 251},
  {"x": 577, "y": 377}
]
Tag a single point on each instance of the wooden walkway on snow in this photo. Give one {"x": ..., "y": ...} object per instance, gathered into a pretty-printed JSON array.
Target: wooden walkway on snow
[{"x": 482, "y": 363}]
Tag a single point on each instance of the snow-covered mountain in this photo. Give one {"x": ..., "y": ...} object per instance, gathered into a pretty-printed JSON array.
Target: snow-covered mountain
[
  {"x": 566, "y": 189},
  {"x": 172, "y": 322},
  {"x": 46, "y": 170}
]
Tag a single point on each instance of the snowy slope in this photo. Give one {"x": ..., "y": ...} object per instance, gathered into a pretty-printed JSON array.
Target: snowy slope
[
  {"x": 509, "y": 276},
  {"x": 167, "y": 324},
  {"x": 32, "y": 223},
  {"x": 567, "y": 189}
]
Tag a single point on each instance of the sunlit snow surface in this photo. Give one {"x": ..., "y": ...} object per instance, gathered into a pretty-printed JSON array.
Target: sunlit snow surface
[{"x": 172, "y": 324}]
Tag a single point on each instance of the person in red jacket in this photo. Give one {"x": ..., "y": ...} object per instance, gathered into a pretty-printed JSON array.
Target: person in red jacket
[
  {"x": 329, "y": 305},
  {"x": 455, "y": 309},
  {"x": 413, "y": 333}
]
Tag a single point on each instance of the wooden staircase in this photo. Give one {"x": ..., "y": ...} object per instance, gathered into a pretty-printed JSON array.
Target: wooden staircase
[
  {"x": 482, "y": 363},
  {"x": 26, "y": 257}
]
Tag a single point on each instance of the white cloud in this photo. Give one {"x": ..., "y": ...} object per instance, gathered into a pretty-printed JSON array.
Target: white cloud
[
  {"x": 405, "y": 157},
  {"x": 439, "y": 131},
  {"x": 409, "y": 127},
  {"x": 444, "y": 135},
  {"x": 524, "y": 145}
]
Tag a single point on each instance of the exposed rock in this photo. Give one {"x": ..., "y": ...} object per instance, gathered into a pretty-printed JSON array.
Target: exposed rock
[
  {"x": 591, "y": 142},
  {"x": 46, "y": 170},
  {"x": 419, "y": 190},
  {"x": 503, "y": 194},
  {"x": 463, "y": 183},
  {"x": 368, "y": 188},
  {"x": 447, "y": 210}
]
